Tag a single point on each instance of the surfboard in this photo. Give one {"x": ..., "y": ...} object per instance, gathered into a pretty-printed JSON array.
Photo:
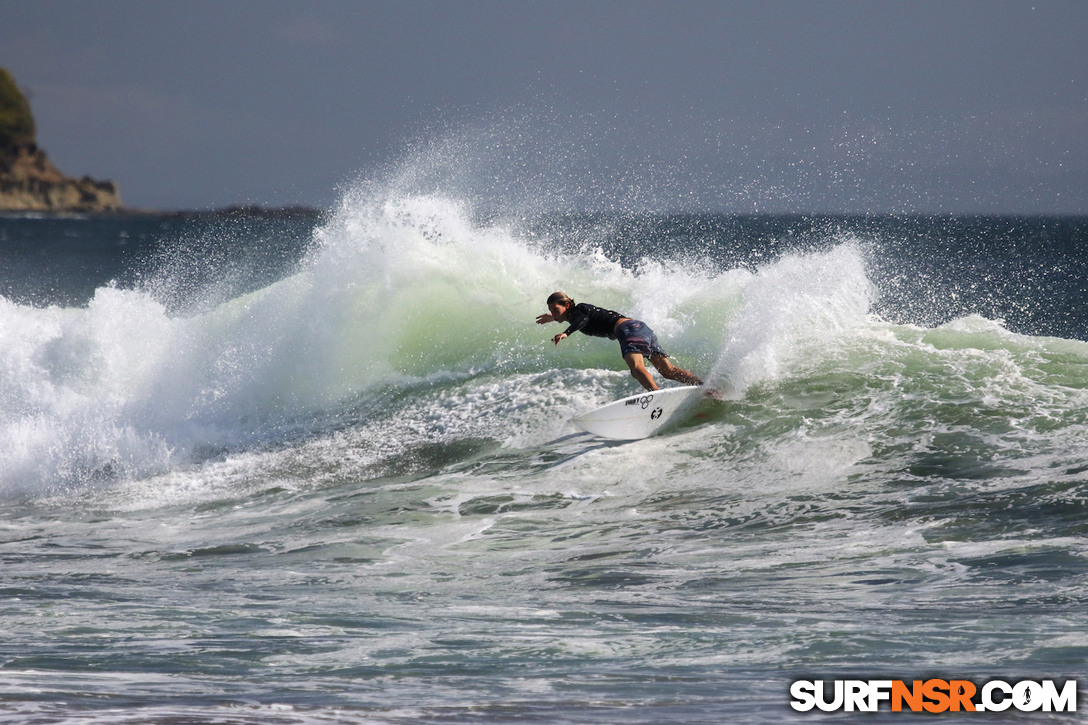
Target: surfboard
[{"x": 642, "y": 415}]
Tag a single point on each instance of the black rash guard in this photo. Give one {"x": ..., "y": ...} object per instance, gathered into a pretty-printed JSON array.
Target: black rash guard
[{"x": 590, "y": 320}]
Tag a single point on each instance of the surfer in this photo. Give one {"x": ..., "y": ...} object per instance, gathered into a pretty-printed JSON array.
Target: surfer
[{"x": 637, "y": 340}]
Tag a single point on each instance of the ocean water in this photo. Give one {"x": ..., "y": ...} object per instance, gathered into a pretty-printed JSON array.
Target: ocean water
[{"x": 320, "y": 468}]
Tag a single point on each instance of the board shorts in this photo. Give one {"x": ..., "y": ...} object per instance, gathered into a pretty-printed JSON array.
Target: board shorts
[{"x": 636, "y": 336}]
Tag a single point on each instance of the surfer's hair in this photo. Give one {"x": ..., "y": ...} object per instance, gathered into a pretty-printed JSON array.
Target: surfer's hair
[{"x": 560, "y": 298}]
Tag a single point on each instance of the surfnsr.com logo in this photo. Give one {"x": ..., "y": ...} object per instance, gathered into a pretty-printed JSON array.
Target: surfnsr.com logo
[{"x": 934, "y": 695}]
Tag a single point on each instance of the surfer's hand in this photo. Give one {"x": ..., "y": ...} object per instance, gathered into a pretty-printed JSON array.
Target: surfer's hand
[
  {"x": 559, "y": 337},
  {"x": 544, "y": 319}
]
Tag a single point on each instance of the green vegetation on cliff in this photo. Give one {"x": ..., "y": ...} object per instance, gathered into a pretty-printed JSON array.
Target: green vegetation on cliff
[{"x": 16, "y": 121}]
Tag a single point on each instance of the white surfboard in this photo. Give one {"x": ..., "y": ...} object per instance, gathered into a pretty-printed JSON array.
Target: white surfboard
[{"x": 642, "y": 415}]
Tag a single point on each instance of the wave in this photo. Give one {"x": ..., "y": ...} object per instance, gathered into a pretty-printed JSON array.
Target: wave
[{"x": 406, "y": 306}]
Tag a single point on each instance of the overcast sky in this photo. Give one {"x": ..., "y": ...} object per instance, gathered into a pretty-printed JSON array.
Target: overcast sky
[{"x": 735, "y": 106}]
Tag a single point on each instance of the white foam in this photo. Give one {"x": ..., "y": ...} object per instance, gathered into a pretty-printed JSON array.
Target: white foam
[{"x": 795, "y": 305}]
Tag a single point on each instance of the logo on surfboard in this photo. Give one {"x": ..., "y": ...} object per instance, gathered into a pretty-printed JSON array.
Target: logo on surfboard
[{"x": 644, "y": 401}]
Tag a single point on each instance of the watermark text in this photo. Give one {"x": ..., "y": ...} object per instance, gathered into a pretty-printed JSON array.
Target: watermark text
[{"x": 933, "y": 695}]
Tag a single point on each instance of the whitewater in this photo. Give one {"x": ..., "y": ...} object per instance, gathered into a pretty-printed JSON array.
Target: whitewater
[{"x": 351, "y": 491}]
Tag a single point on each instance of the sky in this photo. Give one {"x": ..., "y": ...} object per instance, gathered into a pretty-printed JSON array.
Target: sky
[{"x": 734, "y": 106}]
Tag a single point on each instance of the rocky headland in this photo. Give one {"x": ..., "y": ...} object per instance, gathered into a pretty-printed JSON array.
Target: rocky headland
[{"x": 28, "y": 179}]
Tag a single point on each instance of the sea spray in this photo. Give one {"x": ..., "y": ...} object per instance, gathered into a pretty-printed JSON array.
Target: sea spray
[{"x": 790, "y": 309}]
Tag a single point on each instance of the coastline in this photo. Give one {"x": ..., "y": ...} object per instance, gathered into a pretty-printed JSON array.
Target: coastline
[{"x": 234, "y": 210}]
